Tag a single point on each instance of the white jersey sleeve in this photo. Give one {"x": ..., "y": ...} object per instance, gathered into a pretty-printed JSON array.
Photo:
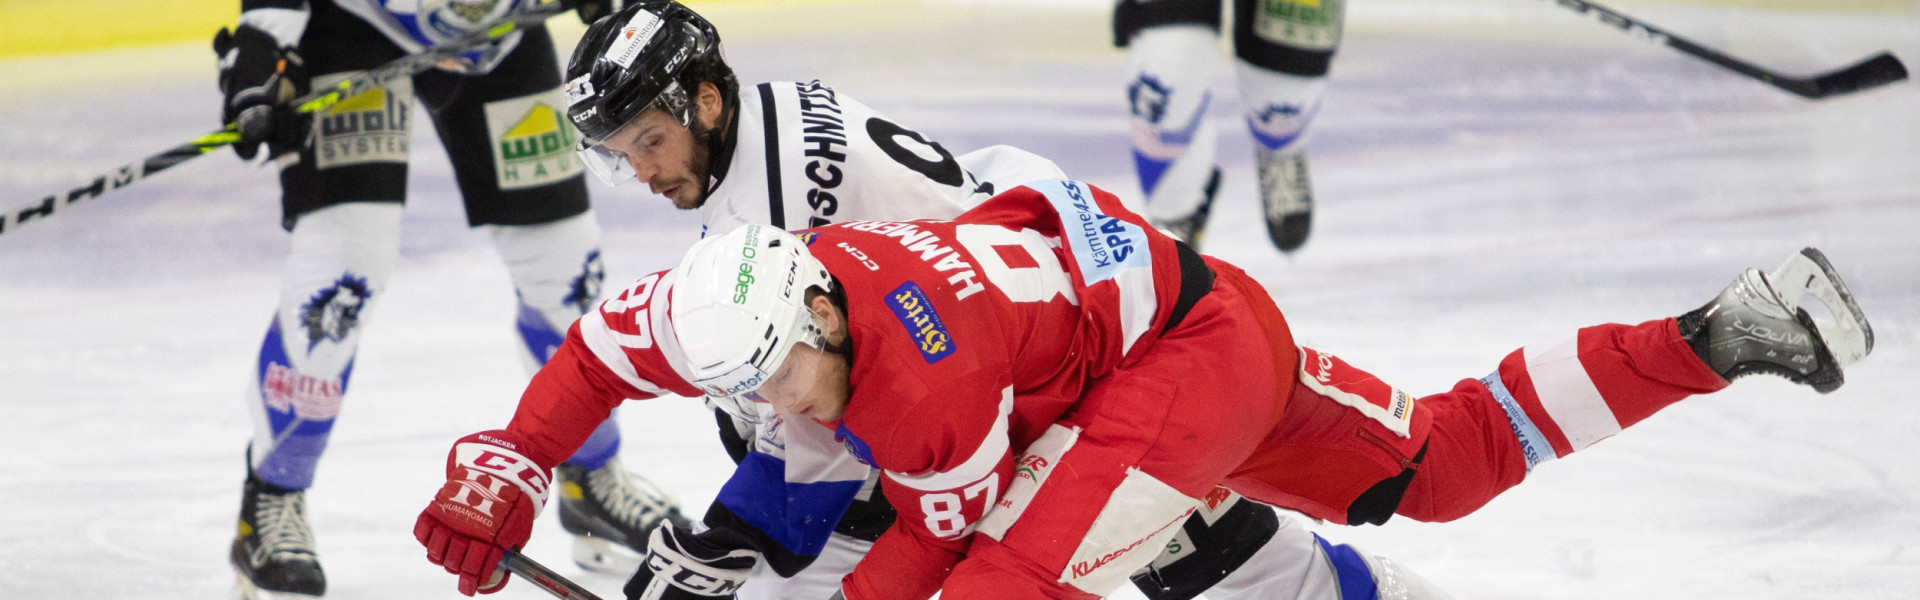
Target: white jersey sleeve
[{"x": 806, "y": 155}]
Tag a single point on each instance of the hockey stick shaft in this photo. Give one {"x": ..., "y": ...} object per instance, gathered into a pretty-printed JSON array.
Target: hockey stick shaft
[
  {"x": 315, "y": 101},
  {"x": 1875, "y": 71},
  {"x": 118, "y": 178},
  {"x": 540, "y": 575}
]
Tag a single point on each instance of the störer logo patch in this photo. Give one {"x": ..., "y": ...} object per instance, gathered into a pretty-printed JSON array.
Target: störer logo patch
[{"x": 915, "y": 311}]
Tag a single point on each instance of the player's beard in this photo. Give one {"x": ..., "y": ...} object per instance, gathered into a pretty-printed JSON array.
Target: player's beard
[{"x": 697, "y": 166}]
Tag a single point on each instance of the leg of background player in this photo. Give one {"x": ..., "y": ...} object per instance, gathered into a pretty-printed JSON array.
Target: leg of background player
[
  {"x": 1283, "y": 49},
  {"x": 1174, "y": 56},
  {"x": 342, "y": 256}
]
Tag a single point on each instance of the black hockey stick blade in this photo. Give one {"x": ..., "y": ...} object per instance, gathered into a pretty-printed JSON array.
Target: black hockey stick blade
[
  {"x": 548, "y": 580},
  {"x": 1881, "y": 69}
]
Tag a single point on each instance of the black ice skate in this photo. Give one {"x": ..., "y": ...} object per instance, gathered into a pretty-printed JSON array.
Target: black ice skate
[
  {"x": 1758, "y": 325},
  {"x": 1287, "y": 194},
  {"x": 1189, "y": 228},
  {"x": 610, "y": 514},
  {"x": 273, "y": 554}
]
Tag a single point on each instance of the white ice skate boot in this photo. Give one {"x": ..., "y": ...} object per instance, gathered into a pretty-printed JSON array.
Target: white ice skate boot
[
  {"x": 610, "y": 513},
  {"x": 1286, "y": 192},
  {"x": 1759, "y": 325},
  {"x": 273, "y": 555}
]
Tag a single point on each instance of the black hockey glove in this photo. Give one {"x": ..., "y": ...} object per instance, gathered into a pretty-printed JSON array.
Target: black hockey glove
[
  {"x": 257, "y": 79},
  {"x": 592, "y": 10},
  {"x": 685, "y": 566}
]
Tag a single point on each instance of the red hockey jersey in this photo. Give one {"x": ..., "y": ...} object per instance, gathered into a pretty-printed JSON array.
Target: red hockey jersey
[{"x": 970, "y": 338}]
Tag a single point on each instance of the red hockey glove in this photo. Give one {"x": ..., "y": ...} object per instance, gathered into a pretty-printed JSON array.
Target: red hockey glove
[{"x": 492, "y": 495}]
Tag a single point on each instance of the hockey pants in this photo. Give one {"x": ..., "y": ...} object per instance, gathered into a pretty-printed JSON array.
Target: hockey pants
[{"x": 1333, "y": 441}]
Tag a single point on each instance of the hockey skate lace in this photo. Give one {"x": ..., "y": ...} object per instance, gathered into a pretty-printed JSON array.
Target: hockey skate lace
[
  {"x": 281, "y": 520},
  {"x": 634, "y": 507}
]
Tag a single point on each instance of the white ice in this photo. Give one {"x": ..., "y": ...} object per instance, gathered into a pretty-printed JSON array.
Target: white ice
[{"x": 1489, "y": 172}]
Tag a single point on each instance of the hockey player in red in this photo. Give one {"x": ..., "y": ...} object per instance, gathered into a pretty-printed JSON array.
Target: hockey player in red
[{"x": 1050, "y": 386}]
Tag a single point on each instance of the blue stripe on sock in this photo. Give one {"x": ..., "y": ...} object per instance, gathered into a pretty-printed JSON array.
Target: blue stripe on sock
[{"x": 1356, "y": 580}]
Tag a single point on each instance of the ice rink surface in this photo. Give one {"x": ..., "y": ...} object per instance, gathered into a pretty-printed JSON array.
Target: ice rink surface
[{"x": 1489, "y": 173}]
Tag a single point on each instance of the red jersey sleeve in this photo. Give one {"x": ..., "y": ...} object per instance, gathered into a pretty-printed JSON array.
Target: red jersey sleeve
[{"x": 615, "y": 352}]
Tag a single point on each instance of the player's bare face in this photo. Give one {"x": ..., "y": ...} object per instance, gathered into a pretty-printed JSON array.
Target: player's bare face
[{"x": 669, "y": 158}]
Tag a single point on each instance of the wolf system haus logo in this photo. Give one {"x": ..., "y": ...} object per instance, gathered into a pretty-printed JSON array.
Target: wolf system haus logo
[
  {"x": 368, "y": 128},
  {"x": 532, "y": 142}
]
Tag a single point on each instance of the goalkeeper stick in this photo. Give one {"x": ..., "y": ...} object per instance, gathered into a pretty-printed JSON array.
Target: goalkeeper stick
[
  {"x": 1875, "y": 71},
  {"x": 552, "y": 582},
  {"x": 315, "y": 101}
]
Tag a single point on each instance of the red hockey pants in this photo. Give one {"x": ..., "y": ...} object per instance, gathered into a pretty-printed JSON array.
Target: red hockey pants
[{"x": 1182, "y": 420}]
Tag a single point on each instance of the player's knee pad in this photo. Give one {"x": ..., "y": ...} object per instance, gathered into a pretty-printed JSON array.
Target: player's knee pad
[
  {"x": 1296, "y": 37},
  {"x": 1168, "y": 97},
  {"x": 342, "y": 256},
  {"x": 1280, "y": 107},
  {"x": 1219, "y": 538},
  {"x": 1130, "y": 17},
  {"x": 556, "y": 271}
]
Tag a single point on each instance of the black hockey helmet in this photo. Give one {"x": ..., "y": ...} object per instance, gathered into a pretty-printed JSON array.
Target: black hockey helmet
[{"x": 633, "y": 59}]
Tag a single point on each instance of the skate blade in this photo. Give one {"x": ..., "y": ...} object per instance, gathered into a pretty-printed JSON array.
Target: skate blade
[
  {"x": 602, "y": 556},
  {"x": 1844, "y": 326},
  {"x": 244, "y": 589}
]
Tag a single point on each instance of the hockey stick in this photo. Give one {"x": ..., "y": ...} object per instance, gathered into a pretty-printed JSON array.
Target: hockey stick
[
  {"x": 1877, "y": 70},
  {"x": 552, "y": 582},
  {"x": 314, "y": 101}
]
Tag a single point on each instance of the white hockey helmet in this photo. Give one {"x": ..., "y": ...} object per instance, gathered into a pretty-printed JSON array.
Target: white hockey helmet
[{"x": 739, "y": 309}]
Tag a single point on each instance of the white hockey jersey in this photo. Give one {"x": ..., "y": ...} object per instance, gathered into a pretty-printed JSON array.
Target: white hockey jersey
[{"x": 804, "y": 155}]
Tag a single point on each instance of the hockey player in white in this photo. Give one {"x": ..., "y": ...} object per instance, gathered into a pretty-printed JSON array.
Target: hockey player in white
[
  {"x": 343, "y": 179},
  {"x": 655, "y": 101},
  {"x": 1282, "y": 49}
]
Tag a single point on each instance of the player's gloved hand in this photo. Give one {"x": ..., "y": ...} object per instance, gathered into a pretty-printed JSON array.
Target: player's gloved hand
[
  {"x": 257, "y": 79},
  {"x": 682, "y": 565},
  {"x": 592, "y": 10},
  {"x": 492, "y": 495}
]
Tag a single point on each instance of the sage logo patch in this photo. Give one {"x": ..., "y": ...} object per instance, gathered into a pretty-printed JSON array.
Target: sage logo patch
[
  {"x": 532, "y": 142},
  {"x": 915, "y": 311}
]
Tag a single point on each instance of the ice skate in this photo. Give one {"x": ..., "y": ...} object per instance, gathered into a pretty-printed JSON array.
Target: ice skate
[
  {"x": 1189, "y": 228},
  {"x": 273, "y": 555},
  {"x": 1287, "y": 195},
  {"x": 1758, "y": 325},
  {"x": 610, "y": 514}
]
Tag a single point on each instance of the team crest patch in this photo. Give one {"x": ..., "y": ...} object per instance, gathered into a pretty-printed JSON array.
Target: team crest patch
[
  {"x": 586, "y": 286},
  {"x": 532, "y": 141},
  {"x": 334, "y": 311},
  {"x": 915, "y": 311},
  {"x": 807, "y": 238},
  {"x": 1148, "y": 97}
]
